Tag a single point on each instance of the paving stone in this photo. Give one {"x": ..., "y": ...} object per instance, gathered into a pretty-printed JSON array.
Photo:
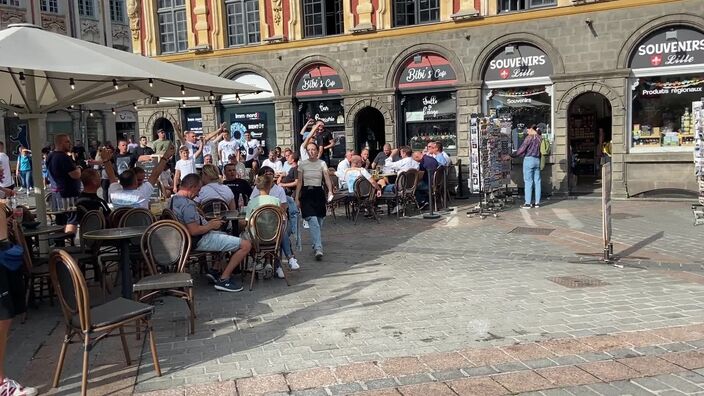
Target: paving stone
[
  {"x": 582, "y": 390},
  {"x": 414, "y": 379},
  {"x": 605, "y": 389},
  {"x": 345, "y": 389},
  {"x": 444, "y": 361},
  {"x": 689, "y": 360},
  {"x": 567, "y": 376},
  {"x": 310, "y": 392},
  {"x": 527, "y": 351},
  {"x": 262, "y": 385},
  {"x": 358, "y": 372},
  {"x": 510, "y": 367},
  {"x": 651, "y": 384},
  {"x": 525, "y": 381},
  {"x": 227, "y": 388},
  {"x": 312, "y": 378},
  {"x": 396, "y": 367},
  {"x": 434, "y": 388},
  {"x": 650, "y": 365},
  {"x": 627, "y": 387},
  {"x": 568, "y": 360},
  {"x": 447, "y": 375},
  {"x": 542, "y": 363},
  {"x": 623, "y": 353},
  {"x": 486, "y": 357},
  {"x": 381, "y": 383},
  {"x": 641, "y": 338},
  {"x": 609, "y": 371},
  {"x": 692, "y": 376},
  {"x": 479, "y": 371},
  {"x": 379, "y": 392},
  {"x": 477, "y": 386},
  {"x": 565, "y": 347},
  {"x": 679, "y": 383}
]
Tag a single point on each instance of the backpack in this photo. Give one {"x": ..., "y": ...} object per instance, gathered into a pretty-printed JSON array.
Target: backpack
[{"x": 544, "y": 152}]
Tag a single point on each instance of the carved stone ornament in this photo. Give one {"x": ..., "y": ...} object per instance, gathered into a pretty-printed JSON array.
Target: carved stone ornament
[
  {"x": 120, "y": 32},
  {"x": 133, "y": 14},
  {"x": 277, "y": 8},
  {"x": 11, "y": 16},
  {"x": 90, "y": 27},
  {"x": 54, "y": 23}
]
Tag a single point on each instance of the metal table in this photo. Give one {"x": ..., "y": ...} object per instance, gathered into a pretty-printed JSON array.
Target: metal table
[
  {"x": 123, "y": 235},
  {"x": 41, "y": 230},
  {"x": 232, "y": 216}
]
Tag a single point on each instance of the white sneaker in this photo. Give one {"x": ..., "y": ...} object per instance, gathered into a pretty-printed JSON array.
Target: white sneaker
[
  {"x": 305, "y": 224},
  {"x": 319, "y": 254},
  {"x": 13, "y": 388},
  {"x": 279, "y": 273},
  {"x": 394, "y": 210},
  {"x": 268, "y": 271},
  {"x": 20, "y": 189},
  {"x": 293, "y": 264}
]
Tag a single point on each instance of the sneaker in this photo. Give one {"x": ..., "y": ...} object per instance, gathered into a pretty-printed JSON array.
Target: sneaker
[
  {"x": 213, "y": 275},
  {"x": 305, "y": 224},
  {"x": 293, "y": 263},
  {"x": 536, "y": 205},
  {"x": 279, "y": 273},
  {"x": 526, "y": 206},
  {"x": 20, "y": 189},
  {"x": 228, "y": 285},
  {"x": 13, "y": 388},
  {"x": 394, "y": 210},
  {"x": 258, "y": 266},
  {"x": 318, "y": 254},
  {"x": 268, "y": 271}
]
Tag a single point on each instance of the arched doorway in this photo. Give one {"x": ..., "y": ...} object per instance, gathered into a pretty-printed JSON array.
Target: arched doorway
[
  {"x": 369, "y": 131},
  {"x": 588, "y": 131},
  {"x": 163, "y": 123}
]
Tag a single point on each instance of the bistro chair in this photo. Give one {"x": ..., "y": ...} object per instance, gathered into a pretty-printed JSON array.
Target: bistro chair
[
  {"x": 340, "y": 197},
  {"x": 165, "y": 246},
  {"x": 168, "y": 214},
  {"x": 438, "y": 187},
  {"x": 37, "y": 283},
  {"x": 266, "y": 229},
  {"x": 207, "y": 206},
  {"x": 115, "y": 216},
  {"x": 96, "y": 323},
  {"x": 395, "y": 198},
  {"x": 408, "y": 188},
  {"x": 364, "y": 198}
]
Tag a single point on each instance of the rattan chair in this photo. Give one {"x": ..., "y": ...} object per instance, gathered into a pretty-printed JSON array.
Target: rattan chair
[
  {"x": 364, "y": 198},
  {"x": 438, "y": 188},
  {"x": 36, "y": 270},
  {"x": 265, "y": 230},
  {"x": 96, "y": 323},
  {"x": 408, "y": 188},
  {"x": 165, "y": 247},
  {"x": 339, "y": 198},
  {"x": 168, "y": 214},
  {"x": 115, "y": 216},
  {"x": 395, "y": 198}
]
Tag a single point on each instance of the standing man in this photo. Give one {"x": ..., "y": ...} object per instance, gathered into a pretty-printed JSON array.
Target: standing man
[
  {"x": 24, "y": 169},
  {"x": 65, "y": 177},
  {"x": 252, "y": 147},
  {"x": 143, "y": 152},
  {"x": 226, "y": 148},
  {"x": 324, "y": 140},
  {"x": 123, "y": 160},
  {"x": 6, "y": 181},
  {"x": 195, "y": 148},
  {"x": 161, "y": 144}
]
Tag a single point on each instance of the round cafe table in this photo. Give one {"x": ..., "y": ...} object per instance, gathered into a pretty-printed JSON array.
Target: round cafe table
[
  {"x": 41, "y": 230},
  {"x": 233, "y": 216},
  {"x": 123, "y": 235}
]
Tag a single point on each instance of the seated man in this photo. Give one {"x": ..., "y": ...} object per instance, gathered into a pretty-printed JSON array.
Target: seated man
[
  {"x": 89, "y": 199},
  {"x": 356, "y": 170},
  {"x": 240, "y": 187},
  {"x": 204, "y": 234},
  {"x": 213, "y": 189},
  {"x": 405, "y": 163},
  {"x": 343, "y": 166},
  {"x": 427, "y": 164},
  {"x": 273, "y": 163},
  {"x": 128, "y": 192}
]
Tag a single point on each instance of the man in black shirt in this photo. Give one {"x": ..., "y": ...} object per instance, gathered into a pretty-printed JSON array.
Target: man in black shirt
[
  {"x": 65, "y": 176},
  {"x": 143, "y": 152},
  {"x": 79, "y": 153},
  {"x": 123, "y": 159},
  {"x": 88, "y": 199},
  {"x": 240, "y": 187},
  {"x": 324, "y": 140}
]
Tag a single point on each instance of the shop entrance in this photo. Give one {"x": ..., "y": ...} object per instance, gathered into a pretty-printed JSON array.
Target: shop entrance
[
  {"x": 589, "y": 135},
  {"x": 369, "y": 131}
]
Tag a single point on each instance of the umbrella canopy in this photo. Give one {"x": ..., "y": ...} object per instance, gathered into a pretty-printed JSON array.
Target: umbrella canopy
[{"x": 68, "y": 71}]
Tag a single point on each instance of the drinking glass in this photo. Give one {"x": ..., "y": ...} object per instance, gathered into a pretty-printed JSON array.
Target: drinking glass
[{"x": 216, "y": 209}]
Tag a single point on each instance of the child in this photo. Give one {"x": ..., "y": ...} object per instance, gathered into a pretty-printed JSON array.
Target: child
[{"x": 185, "y": 166}]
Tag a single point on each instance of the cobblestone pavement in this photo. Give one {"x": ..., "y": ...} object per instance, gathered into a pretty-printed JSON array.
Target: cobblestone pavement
[{"x": 454, "y": 306}]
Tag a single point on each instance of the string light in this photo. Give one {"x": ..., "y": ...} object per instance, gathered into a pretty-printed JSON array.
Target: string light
[
  {"x": 134, "y": 105},
  {"x": 210, "y": 101},
  {"x": 183, "y": 103},
  {"x": 72, "y": 83},
  {"x": 183, "y": 90},
  {"x": 114, "y": 84},
  {"x": 15, "y": 113},
  {"x": 157, "y": 100},
  {"x": 21, "y": 76},
  {"x": 73, "y": 106},
  {"x": 151, "y": 83},
  {"x": 237, "y": 98},
  {"x": 211, "y": 96},
  {"x": 90, "y": 113},
  {"x": 113, "y": 111}
]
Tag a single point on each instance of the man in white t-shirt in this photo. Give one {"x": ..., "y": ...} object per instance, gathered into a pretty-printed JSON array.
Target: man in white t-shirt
[
  {"x": 6, "y": 180},
  {"x": 273, "y": 163},
  {"x": 125, "y": 191},
  {"x": 405, "y": 163},
  {"x": 343, "y": 166},
  {"x": 251, "y": 147},
  {"x": 227, "y": 147},
  {"x": 356, "y": 170}
]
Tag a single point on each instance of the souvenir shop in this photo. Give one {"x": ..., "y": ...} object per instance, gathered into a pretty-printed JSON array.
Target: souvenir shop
[
  {"x": 427, "y": 102},
  {"x": 317, "y": 93}
]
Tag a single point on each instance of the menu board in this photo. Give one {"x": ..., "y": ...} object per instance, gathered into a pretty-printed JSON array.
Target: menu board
[{"x": 149, "y": 167}]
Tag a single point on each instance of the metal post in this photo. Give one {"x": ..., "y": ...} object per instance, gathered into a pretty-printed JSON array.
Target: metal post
[{"x": 431, "y": 201}]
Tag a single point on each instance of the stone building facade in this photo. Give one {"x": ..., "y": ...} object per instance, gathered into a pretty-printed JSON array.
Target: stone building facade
[{"x": 589, "y": 73}]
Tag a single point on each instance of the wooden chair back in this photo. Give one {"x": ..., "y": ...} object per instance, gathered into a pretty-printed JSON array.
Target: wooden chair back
[
  {"x": 168, "y": 214},
  {"x": 137, "y": 217},
  {"x": 71, "y": 289},
  {"x": 92, "y": 220},
  {"x": 115, "y": 216},
  {"x": 166, "y": 243},
  {"x": 266, "y": 228},
  {"x": 207, "y": 206}
]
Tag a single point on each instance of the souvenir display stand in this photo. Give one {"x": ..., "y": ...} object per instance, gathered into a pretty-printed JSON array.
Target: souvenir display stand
[
  {"x": 490, "y": 164},
  {"x": 698, "y": 131}
]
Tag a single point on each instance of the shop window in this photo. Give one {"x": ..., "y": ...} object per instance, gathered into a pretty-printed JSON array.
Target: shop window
[
  {"x": 521, "y": 5},
  {"x": 322, "y": 18},
  {"x": 662, "y": 113},
  {"x": 414, "y": 12},
  {"x": 86, "y": 8},
  {"x": 242, "y": 22},
  {"x": 14, "y": 3},
  {"x": 173, "y": 32},
  {"x": 430, "y": 117},
  {"x": 522, "y": 107},
  {"x": 51, "y": 6},
  {"x": 117, "y": 11}
]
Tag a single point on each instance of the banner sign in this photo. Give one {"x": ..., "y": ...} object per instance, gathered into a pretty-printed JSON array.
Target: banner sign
[
  {"x": 656, "y": 88},
  {"x": 194, "y": 121},
  {"x": 426, "y": 70},
  {"x": 318, "y": 79},
  {"x": 430, "y": 107},
  {"x": 672, "y": 46},
  {"x": 518, "y": 61},
  {"x": 252, "y": 122}
]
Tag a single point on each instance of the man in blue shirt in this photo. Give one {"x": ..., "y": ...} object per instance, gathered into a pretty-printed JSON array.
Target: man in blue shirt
[{"x": 428, "y": 165}]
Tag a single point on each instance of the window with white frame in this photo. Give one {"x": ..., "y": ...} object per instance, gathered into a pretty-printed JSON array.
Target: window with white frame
[
  {"x": 86, "y": 8},
  {"x": 413, "y": 12},
  {"x": 322, "y": 18},
  {"x": 521, "y": 5},
  {"x": 242, "y": 22},
  {"x": 173, "y": 32},
  {"x": 51, "y": 6},
  {"x": 14, "y": 3},
  {"x": 117, "y": 10}
]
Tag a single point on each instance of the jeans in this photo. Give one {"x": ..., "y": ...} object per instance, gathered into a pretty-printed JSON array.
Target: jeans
[
  {"x": 315, "y": 225},
  {"x": 531, "y": 178},
  {"x": 291, "y": 227},
  {"x": 26, "y": 177}
]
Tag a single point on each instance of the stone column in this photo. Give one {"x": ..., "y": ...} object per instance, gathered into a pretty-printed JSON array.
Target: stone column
[{"x": 285, "y": 130}]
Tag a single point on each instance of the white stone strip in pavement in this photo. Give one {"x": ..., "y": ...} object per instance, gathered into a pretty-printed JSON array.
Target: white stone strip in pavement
[
  {"x": 527, "y": 219},
  {"x": 566, "y": 216}
]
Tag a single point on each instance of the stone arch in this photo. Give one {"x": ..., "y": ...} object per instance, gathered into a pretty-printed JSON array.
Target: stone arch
[
  {"x": 239, "y": 68},
  {"x": 310, "y": 60},
  {"x": 523, "y": 37},
  {"x": 395, "y": 68},
  {"x": 167, "y": 114},
  {"x": 617, "y": 105},
  {"x": 363, "y": 103},
  {"x": 683, "y": 19}
]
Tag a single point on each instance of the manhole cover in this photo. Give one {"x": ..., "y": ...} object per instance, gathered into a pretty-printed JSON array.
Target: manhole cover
[
  {"x": 576, "y": 282},
  {"x": 624, "y": 216},
  {"x": 532, "y": 231}
]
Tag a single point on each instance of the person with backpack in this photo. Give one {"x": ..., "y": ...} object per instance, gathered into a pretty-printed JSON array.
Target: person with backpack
[{"x": 530, "y": 150}]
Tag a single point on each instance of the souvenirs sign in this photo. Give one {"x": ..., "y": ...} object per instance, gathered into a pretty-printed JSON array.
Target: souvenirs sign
[
  {"x": 318, "y": 79},
  {"x": 678, "y": 46},
  {"x": 518, "y": 61},
  {"x": 426, "y": 70}
]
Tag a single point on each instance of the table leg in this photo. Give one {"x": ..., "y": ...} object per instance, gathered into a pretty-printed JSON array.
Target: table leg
[{"x": 126, "y": 269}]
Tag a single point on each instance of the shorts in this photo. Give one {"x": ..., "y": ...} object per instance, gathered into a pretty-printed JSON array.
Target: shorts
[
  {"x": 218, "y": 241},
  {"x": 12, "y": 293}
]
